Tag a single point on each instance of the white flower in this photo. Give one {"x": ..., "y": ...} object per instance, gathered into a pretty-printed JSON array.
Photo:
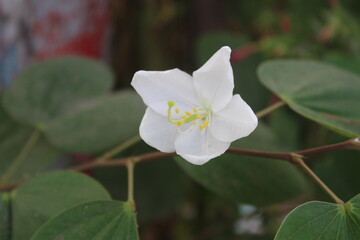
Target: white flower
[{"x": 198, "y": 116}]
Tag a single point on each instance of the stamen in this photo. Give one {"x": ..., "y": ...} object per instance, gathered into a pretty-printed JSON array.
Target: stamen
[
  {"x": 204, "y": 125},
  {"x": 171, "y": 103},
  {"x": 187, "y": 117}
]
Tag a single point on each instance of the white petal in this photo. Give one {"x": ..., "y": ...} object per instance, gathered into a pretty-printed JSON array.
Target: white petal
[
  {"x": 158, "y": 132},
  {"x": 158, "y": 87},
  {"x": 235, "y": 121},
  {"x": 214, "y": 81},
  {"x": 199, "y": 146}
]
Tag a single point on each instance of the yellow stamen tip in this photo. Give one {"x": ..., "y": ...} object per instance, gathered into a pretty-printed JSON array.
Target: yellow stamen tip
[
  {"x": 177, "y": 110},
  {"x": 179, "y": 124},
  {"x": 198, "y": 117},
  {"x": 183, "y": 117},
  {"x": 171, "y": 103},
  {"x": 187, "y": 113},
  {"x": 194, "y": 123},
  {"x": 194, "y": 110}
]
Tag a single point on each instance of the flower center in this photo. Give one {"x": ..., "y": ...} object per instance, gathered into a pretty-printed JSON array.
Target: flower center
[{"x": 196, "y": 114}]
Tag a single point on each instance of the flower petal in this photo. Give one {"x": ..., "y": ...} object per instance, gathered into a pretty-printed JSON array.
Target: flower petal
[
  {"x": 235, "y": 121},
  {"x": 214, "y": 81},
  {"x": 158, "y": 132},
  {"x": 158, "y": 87},
  {"x": 199, "y": 146}
]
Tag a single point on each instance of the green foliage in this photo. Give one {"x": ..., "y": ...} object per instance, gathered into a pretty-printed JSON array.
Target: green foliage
[
  {"x": 67, "y": 104},
  {"x": 320, "y": 92},
  {"x": 34, "y": 202},
  {"x": 118, "y": 116},
  {"x": 94, "y": 220},
  {"x": 4, "y": 216},
  {"x": 245, "y": 179},
  {"x": 48, "y": 89},
  {"x": 153, "y": 179},
  {"x": 349, "y": 63},
  {"x": 13, "y": 136},
  {"x": 340, "y": 170},
  {"x": 320, "y": 220}
]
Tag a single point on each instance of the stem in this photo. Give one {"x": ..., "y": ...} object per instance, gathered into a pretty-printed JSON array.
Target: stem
[
  {"x": 285, "y": 156},
  {"x": 270, "y": 109},
  {"x": 106, "y": 156},
  {"x": 130, "y": 164},
  {"x": 19, "y": 160},
  {"x": 122, "y": 161},
  {"x": 299, "y": 162}
]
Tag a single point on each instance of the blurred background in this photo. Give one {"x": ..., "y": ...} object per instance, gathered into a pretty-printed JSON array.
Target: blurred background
[{"x": 132, "y": 35}]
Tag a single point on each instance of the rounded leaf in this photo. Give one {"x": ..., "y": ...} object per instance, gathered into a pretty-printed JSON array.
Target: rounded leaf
[
  {"x": 34, "y": 202},
  {"x": 245, "y": 179},
  {"x": 322, "y": 221},
  {"x": 318, "y": 91},
  {"x": 98, "y": 125},
  {"x": 94, "y": 220},
  {"x": 5, "y": 216},
  {"x": 47, "y": 89}
]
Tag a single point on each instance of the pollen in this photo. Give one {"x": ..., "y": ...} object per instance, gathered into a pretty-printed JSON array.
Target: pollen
[
  {"x": 183, "y": 117},
  {"x": 204, "y": 125},
  {"x": 179, "y": 124},
  {"x": 177, "y": 110},
  {"x": 187, "y": 113}
]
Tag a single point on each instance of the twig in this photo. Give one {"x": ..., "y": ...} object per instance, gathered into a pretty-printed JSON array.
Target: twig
[
  {"x": 270, "y": 109},
  {"x": 30, "y": 143},
  {"x": 300, "y": 162},
  {"x": 285, "y": 156}
]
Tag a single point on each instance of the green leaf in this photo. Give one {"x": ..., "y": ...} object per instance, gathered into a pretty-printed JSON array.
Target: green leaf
[
  {"x": 34, "y": 202},
  {"x": 4, "y": 216},
  {"x": 322, "y": 221},
  {"x": 318, "y": 91},
  {"x": 287, "y": 126},
  {"x": 98, "y": 125},
  {"x": 247, "y": 179},
  {"x": 149, "y": 187},
  {"x": 94, "y": 220},
  {"x": 349, "y": 63},
  {"x": 340, "y": 170},
  {"x": 13, "y": 137},
  {"x": 47, "y": 89}
]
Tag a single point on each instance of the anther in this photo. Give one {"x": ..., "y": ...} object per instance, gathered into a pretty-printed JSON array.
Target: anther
[
  {"x": 183, "y": 117},
  {"x": 187, "y": 113},
  {"x": 177, "y": 110},
  {"x": 171, "y": 103}
]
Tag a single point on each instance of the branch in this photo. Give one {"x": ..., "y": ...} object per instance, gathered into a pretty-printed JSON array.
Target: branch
[{"x": 291, "y": 157}]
